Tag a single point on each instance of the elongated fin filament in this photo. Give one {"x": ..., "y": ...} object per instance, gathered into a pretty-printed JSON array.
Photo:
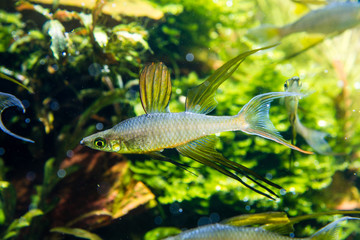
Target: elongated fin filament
[{"x": 254, "y": 118}]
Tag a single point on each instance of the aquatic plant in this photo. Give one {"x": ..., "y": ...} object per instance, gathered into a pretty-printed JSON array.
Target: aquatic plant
[{"x": 81, "y": 65}]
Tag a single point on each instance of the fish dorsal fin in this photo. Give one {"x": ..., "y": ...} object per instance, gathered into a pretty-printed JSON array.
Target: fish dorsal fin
[
  {"x": 155, "y": 88},
  {"x": 201, "y": 99},
  {"x": 8, "y": 100},
  {"x": 203, "y": 150}
]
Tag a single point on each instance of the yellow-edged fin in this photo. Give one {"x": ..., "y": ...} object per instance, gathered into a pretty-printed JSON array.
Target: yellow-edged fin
[
  {"x": 258, "y": 218},
  {"x": 271, "y": 221},
  {"x": 201, "y": 99},
  {"x": 203, "y": 150},
  {"x": 8, "y": 100},
  {"x": 155, "y": 88},
  {"x": 286, "y": 228}
]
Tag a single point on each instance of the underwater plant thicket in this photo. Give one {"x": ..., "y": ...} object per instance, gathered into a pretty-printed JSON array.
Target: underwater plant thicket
[{"x": 81, "y": 67}]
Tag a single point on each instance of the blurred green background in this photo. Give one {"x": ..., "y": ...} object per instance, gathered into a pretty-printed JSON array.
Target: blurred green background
[{"x": 81, "y": 60}]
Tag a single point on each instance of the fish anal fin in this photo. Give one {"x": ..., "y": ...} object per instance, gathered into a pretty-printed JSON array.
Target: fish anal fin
[
  {"x": 203, "y": 150},
  {"x": 161, "y": 157},
  {"x": 201, "y": 99},
  {"x": 155, "y": 88}
]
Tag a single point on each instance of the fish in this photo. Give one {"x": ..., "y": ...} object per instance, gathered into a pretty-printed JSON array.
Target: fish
[
  {"x": 8, "y": 100},
  {"x": 314, "y": 138},
  {"x": 191, "y": 132},
  {"x": 333, "y": 18},
  {"x": 229, "y": 232}
]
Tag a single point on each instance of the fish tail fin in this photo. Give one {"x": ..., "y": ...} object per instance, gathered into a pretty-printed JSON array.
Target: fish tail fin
[
  {"x": 254, "y": 119},
  {"x": 264, "y": 33},
  {"x": 315, "y": 139},
  {"x": 330, "y": 231}
]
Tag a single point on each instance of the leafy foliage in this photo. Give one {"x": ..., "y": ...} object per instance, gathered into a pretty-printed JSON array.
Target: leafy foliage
[{"x": 81, "y": 65}]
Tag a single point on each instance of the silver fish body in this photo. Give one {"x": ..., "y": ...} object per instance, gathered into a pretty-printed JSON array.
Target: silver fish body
[
  {"x": 335, "y": 17},
  {"x": 156, "y": 131},
  {"x": 227, "y": 232},
  {"x": 219, "y": 231}
]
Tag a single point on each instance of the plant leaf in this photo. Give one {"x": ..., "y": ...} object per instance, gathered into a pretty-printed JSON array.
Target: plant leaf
[{"x": 76, "y": 232}]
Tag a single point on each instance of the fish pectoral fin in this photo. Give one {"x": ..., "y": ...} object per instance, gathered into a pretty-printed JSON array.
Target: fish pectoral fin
[
  {"x": 257, "y": 218},
  {"x": 201, "y": 99},
  {"x": 161, "y": 157},
  {"x": 203, "y": 150},
  {"x": 155, "y": 88},
  {"x": 8, "y": 100},
  {"x": 277, "y": 222}
]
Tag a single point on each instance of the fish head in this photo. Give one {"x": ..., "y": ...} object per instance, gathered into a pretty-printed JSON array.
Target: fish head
[
  {"x": 102, "y": 141},
  {"x": 293, "y": 85}
]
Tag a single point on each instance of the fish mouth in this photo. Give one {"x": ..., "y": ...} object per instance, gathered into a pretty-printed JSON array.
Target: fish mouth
[{"x": 82, "y": 142}]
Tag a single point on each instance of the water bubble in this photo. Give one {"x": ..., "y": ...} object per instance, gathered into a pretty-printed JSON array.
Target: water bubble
[
  {"x": 27, "y": 120},
  {"x": 229, "y": 3},
  {"x": 247, "y": 208},
  {"x": 322, "y": 123},
  {"x": 2, "y": 151},
  {"x": 282, "y": 191},
  {"x": 63, "y": 54},
  {"x": 178, "y": 91},
  {"x": 99, "y": 126},
  {"x": 106, "y": 69},
  {"x": 55, "y": 67},
  {"x": 189, "y": 57},
  {"x": 357, "y": 85},
  {"x": 69, "y": 153},
  {"x": 214, "y": 217},
  {"x": 30, "y": 176},
  {"x": 94, "y": 69},
  {"x": 292, "y": 235},
  {"x": 203, "y": 221},
  {"x": 54, "y": 105},
  {"x": 71, "y": 59},
  {"x": 26, "y": 103},
  {"x": 340, "y": 84},
  {"x": 61, "y": 173},
  {"x": 158, "y": 220},
  {"x": 42, "y": 61},
  {"x": 175, "y": 208},
  {"x": 269, "y": 176}
]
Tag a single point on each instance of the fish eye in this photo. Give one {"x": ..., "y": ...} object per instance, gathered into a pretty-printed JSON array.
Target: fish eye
[
  {"x": 285, "y": 84},
  {"x": 100, "y": 142}
]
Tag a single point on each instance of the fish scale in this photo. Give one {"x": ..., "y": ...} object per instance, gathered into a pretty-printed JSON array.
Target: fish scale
[
  {"x": 228, "y": 232},
  {"x": 169, "y": 130}
]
